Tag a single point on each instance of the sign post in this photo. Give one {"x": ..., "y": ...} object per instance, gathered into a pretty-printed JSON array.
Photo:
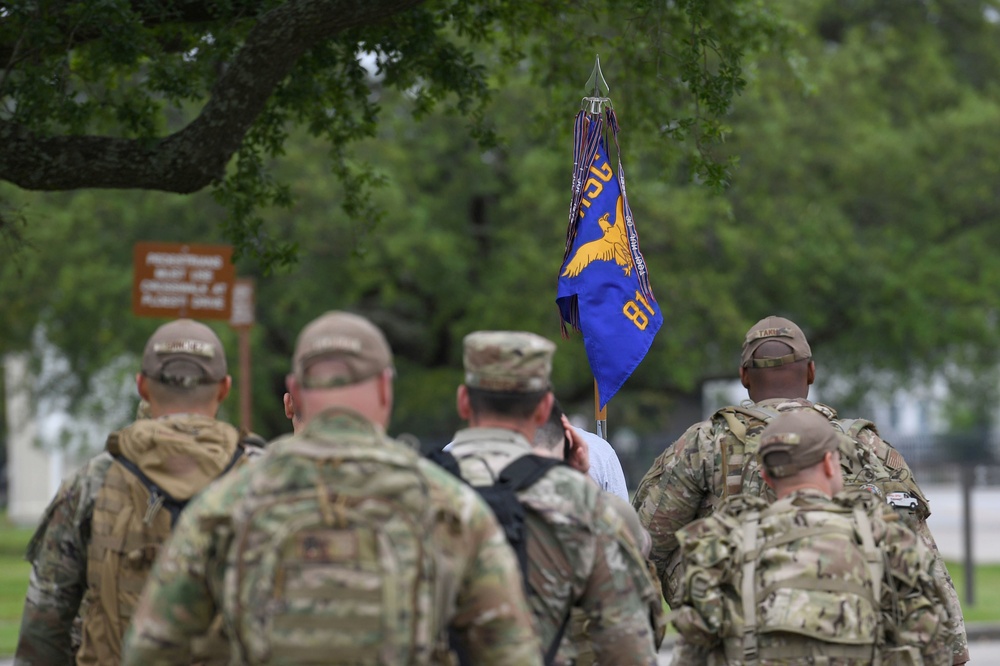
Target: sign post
[{"x": 242, "y": 319}]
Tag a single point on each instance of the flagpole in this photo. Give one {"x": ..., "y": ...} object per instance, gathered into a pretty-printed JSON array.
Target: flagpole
[
  {"x": 595, "y": 106},
  {"x": 600, "y": 414}
]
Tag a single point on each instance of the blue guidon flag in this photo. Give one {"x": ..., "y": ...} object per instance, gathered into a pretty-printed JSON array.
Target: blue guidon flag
[{"x": 604, "y": 289}]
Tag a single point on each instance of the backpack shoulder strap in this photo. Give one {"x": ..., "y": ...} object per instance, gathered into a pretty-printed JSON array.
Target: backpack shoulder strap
[
  {"x": 876, "y": 570},
  {"x": 502, "y": 498},
  {"x": 734, "y": 470},
  {"x": 158, "y": 497},
  {"x": 446, "y": 460},
  {"x": 853, "y": 427},
  {"x": 515, "y": 477},
  {"x": 748, "y": 588},
  {"x": 525, "y": 471}
]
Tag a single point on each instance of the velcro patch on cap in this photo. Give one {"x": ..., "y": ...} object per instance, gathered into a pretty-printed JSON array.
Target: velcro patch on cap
[
  {"x": 782, "y": 332},
  {"x": 334, "y": 343},
  {"x": 192, "y": 347},
  {"x": 783, "y": 438}
]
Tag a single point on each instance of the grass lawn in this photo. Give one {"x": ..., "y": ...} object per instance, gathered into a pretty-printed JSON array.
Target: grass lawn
[
  {"x": 986, "y": 582},
  {"x": 13, "y": 582}
]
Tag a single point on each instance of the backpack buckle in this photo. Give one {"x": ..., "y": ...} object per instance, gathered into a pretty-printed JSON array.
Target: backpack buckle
[{"x": 750, "y": 652}]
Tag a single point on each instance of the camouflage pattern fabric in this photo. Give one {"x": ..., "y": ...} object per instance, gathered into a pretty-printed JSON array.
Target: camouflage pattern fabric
[
  {"x": 812, "y": 585},
  {"x": 58, "y": 555},
  {"x": 477, "y": 588},
  {"x": 581, "y": 553},
  {"x": 57, "y": 599},
  {"x": 709, "y": 463}
]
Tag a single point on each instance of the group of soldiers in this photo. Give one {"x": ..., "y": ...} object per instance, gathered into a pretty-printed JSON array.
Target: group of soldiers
[{"x": 765, "y": 528}]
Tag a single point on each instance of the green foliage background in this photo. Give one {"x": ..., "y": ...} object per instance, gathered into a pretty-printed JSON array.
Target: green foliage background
[{"x": 864, "y": 206}]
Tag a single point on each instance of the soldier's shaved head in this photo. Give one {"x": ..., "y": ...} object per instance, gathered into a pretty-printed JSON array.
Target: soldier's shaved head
[{"x": 790, "y": 380}]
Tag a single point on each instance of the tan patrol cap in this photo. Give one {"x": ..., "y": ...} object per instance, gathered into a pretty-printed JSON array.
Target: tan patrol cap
[
  {"x": 184, "y": 353},
  {"x": 780, "y": 330},
  {"x": 796, "y": 440},
  {"x": 509, "y": 361},
  {"x": 346, "y": 337}
]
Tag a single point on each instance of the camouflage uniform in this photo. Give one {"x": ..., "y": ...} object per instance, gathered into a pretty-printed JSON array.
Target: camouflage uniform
[
  {"x": 812, "y": 571},
  {"x": 476, "y": 582},
  {"x": 710, "y": 463},
  {"x": 581, "y": 552},
  {"x": 58, "y": 589}
]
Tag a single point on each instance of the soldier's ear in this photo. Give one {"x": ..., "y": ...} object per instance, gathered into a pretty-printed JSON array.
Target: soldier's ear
[
  {"x": 385, "y": 380},
  {"x": 224, "y": 387},
  {"x": 140, "y": 386},
  {"x": 744, "y": 377},
  {"x": 462, "y": 403},
  {"x": 810, "y": 373},
  {"x": 294, "y": 391},
  {"x": 831, "y": 464},
  {"x": 543, "y": 409},
  {"x": 767, "y": 479}
]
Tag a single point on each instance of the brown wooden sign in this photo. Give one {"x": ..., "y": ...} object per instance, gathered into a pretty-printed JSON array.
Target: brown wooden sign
[{"x": 182, "y": 280}]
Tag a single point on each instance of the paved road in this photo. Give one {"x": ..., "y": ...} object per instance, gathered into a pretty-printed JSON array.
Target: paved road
[{"x": 946, "y": 522}]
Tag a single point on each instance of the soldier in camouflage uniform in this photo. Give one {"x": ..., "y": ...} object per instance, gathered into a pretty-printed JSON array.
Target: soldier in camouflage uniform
[
  {"x": 579, "y": 550},
  {"x": 340, "y": 545},
  {"x": 714, "y": 460},
  {"x": 556, "y": 437},
  {"x": 815, "y": 577},
  {"x": 97, "y": 538}
]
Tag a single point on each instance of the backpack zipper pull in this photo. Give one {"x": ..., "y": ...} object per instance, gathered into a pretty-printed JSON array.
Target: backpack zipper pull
[{"x": 155, "y": 503}]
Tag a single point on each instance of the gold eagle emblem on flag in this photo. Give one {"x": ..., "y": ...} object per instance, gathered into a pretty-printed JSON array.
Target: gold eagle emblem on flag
[{"x": 613, "y": 245}]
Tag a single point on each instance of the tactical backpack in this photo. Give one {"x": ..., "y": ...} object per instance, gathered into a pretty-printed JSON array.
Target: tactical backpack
[
  {"x": 502, "y": 497},
  {"x": 882, "y": 472},
  {"x": 830, "y": 617},
  {"x": 334, "y": 560},
  {"x": 131, "y": 520}
]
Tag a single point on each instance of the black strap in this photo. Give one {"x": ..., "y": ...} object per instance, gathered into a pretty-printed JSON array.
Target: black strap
[
  {"x": 550, "y": 654},
  {"x": 173, "y": 505},
  {"x": 525, "y": 471},
  {"x": 515, "y": 477},
  {"x": 446, "y": 460},
  {"x": 518, "y": 475}
]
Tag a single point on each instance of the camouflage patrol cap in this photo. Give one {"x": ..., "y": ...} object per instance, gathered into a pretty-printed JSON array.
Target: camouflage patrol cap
[
  {"x": 509, "y": 361},
  {"x": 796, "y": 440},
  {"x": 356, "y": 342},
  {"x": 184, "y": 352},
  {"x": 780, "y": 330}
]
